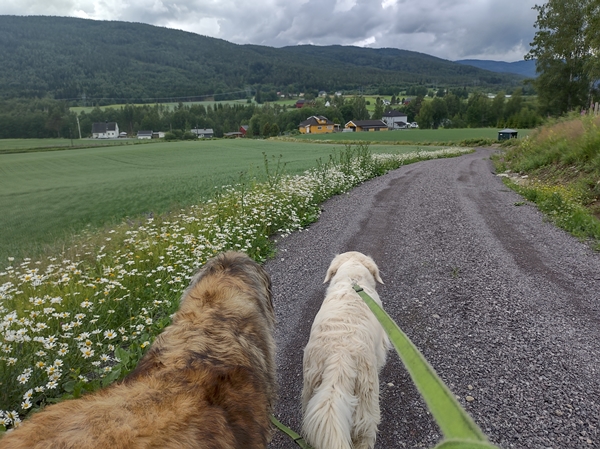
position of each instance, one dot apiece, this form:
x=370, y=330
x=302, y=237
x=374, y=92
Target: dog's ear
x=333, y=267
x=372, y=267
x=330, y=273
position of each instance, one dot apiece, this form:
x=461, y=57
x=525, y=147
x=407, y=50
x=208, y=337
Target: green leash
x=290, y=433
x=459, y=429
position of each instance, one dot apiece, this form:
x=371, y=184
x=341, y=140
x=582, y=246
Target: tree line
x=566, y=48
x=47, y=118
x=479, y=111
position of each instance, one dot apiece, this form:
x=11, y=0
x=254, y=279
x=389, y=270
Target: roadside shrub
x=169, y=136
x=477, y=142
x=562, y=160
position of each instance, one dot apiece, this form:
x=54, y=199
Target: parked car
x=414, y=125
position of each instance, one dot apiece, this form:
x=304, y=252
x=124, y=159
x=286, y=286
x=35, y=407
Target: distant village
x=316, y=124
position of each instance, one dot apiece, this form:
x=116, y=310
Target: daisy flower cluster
x=74, y=323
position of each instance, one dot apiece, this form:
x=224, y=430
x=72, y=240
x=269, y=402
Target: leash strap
x=290, y=433
x=459, y=429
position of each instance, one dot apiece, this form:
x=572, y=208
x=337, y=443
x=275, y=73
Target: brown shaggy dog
x=208, y=381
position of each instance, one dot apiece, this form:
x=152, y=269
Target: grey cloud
x=450, y=29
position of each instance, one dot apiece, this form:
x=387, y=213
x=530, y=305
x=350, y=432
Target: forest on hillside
x=104, y=62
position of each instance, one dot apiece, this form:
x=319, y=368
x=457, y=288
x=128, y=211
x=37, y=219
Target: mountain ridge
x=72, y=58
x=524, y=68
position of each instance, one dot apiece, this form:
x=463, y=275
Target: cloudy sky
x=451, y=29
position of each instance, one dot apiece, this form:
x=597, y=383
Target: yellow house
x=317, y=124
x=365, y=125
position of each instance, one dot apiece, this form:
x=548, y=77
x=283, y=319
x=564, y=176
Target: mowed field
x=415, y=136
x=26, y=145
x=47, y=197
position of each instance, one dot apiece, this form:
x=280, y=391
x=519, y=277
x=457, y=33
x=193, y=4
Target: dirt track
x=505, y=306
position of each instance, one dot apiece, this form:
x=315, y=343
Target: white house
x=105, y=130
x=201, y=132
x=144, y=134
x=395, y=119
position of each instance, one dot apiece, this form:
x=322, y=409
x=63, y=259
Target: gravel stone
x=494, y=295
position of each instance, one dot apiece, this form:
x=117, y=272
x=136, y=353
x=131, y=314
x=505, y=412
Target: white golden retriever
x=346, y=350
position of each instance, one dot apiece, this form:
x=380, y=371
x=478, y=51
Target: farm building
x=105, y=130
x=144, y=134
x=366, y=125
x=203, y=132
x=395, y=119
x=244, y=130
x=317, y=124
x=507, y=133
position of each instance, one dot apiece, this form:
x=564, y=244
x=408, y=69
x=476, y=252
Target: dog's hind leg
x=367, y=414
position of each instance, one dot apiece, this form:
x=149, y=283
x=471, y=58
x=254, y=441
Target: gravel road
x=505, y=306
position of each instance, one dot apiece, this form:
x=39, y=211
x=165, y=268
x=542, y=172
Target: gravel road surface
x=505, y=306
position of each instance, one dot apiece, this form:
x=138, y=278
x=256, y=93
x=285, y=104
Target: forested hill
x=67, y=58
x=525, y=68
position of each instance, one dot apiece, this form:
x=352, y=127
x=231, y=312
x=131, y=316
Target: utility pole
x=78, y=127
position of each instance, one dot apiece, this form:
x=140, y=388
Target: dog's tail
x=328, y=416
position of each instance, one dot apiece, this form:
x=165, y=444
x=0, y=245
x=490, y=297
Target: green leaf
x=452, y=419
x=122, y=355
x=111, y=377
x=69, y=386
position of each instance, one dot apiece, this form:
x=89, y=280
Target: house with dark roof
x=203, y=132
x=317, y=124
x=395, y=119
x=105, y=130
x=144, y=135
x=366, y=125
x=507, y=133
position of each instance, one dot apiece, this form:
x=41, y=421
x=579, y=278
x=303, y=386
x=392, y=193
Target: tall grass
x=562, y=160
x=81, y=319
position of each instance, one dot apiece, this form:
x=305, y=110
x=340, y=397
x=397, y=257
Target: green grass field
x=28, y=145
x=46, y=197
x=170, y=106
x=415, y=136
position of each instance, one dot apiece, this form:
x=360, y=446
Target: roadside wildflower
x=67, y=318
x=87, y=352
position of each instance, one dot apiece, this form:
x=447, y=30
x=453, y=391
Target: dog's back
x=346, y=350
x=208, y=381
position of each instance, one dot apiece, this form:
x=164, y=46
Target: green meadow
x=27, y=145
x=414, y=136
x=48, y=196
x=170, y=106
